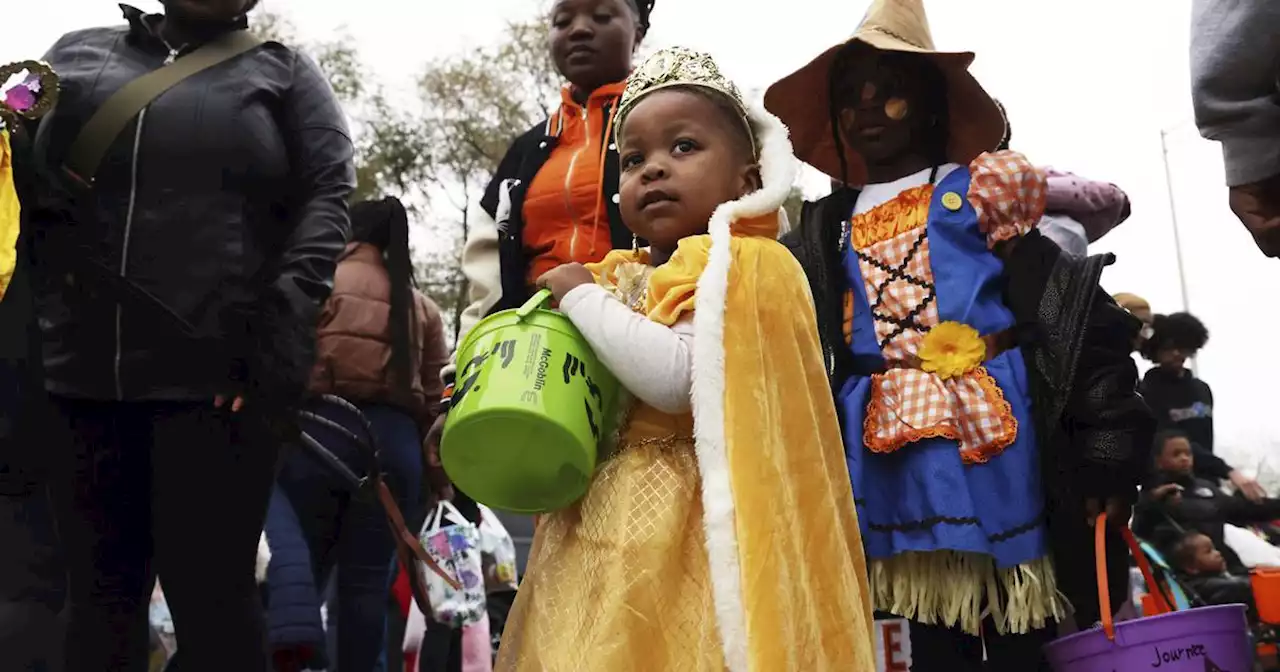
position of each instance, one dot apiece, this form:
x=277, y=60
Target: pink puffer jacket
x=1098, y=206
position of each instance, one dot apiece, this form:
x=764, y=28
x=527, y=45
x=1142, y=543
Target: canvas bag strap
x=96, y=136
x=408, y=545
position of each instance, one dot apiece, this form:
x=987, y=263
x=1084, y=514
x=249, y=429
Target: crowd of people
x=913, y=403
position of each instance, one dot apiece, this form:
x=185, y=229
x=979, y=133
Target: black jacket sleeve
x=1223, y=589
x=1109, y=421
x=1239, y=511
x=282, y=320
x=508, y=168
x=321, y=160
x=1208, y=464
x=1156, y=522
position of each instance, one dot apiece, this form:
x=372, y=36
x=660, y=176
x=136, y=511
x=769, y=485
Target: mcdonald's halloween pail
x=530, y=405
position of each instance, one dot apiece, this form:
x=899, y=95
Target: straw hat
x=802, y=99
x=1134, y=304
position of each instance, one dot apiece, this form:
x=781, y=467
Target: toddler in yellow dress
x=719, y=532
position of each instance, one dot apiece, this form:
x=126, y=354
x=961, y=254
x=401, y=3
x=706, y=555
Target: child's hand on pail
x=563, y=279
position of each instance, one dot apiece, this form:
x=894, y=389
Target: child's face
x=1173, y=358
x=1175, y=457
x=680, y=160
x=1205, y=557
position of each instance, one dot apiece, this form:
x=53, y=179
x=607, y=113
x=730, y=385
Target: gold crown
x=679, y=66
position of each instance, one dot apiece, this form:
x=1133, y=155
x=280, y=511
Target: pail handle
x=541, y=299
x=1104, y=592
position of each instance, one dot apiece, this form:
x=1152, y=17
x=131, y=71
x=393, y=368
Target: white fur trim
x=264, y=559
x=778, y=168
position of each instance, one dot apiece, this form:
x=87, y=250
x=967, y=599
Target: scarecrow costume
x=682, y=555
x=984, y=396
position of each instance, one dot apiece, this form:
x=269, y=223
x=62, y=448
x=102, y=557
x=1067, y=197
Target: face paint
x=897, y=108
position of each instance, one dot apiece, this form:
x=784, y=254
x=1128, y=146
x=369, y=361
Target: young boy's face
x=1174, y=359
x=1204, y=557
x=1175, y=457
x=681, y=158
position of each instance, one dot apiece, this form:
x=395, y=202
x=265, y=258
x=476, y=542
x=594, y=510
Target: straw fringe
x=953, y=588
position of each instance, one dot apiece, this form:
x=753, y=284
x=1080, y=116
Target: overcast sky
x=1089, y=85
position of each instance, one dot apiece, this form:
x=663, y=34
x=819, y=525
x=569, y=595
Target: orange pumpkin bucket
x=1266, y=593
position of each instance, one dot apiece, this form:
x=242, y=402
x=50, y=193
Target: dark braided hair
x=642, y=8
x=385, y=225
x=932, y=84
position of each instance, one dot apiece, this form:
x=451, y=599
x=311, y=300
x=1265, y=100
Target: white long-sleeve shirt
x=654, y=362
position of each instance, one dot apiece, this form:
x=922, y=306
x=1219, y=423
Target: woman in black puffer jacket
x=177, y=299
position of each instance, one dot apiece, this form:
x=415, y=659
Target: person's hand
x=563, y=279
x=236, y=403
x=437, y=481
x=1258, y=207
x=1170, y=493
x=1118, y=509
x=1251, y=489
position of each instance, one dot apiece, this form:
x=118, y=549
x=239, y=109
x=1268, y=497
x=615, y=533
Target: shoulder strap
x=97, y=135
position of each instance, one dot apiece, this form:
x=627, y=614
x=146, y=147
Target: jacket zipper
x=128, y=227
x=124, y=251
x=568, y=181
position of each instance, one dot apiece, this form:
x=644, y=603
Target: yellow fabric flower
x=952, y=349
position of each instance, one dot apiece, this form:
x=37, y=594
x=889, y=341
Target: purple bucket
x=1196, y=640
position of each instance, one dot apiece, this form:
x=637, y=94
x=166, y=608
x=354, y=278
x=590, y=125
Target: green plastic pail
x=530, y=405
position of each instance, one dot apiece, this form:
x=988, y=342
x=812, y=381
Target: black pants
x=177, y=490
x=32, y=584
x=939, y=649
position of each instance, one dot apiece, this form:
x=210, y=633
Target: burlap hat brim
x=802, y=101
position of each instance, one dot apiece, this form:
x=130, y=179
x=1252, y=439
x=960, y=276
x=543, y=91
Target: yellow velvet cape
x=9, y=215
x=788, y=575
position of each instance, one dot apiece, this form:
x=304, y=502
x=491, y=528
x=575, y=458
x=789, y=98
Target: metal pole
x=1177, y=238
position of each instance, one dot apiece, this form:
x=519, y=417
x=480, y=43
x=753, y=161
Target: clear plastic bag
x=454, y=543
x=497, y=553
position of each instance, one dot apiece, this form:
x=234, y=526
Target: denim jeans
x=348, y=535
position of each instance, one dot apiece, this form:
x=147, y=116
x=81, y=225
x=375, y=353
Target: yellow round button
x=951, y=201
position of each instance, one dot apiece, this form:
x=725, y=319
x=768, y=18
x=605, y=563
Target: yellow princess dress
x=723, y=539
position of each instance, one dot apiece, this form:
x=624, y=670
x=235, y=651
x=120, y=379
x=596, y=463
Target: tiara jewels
x=28, y=89
x=678, y=66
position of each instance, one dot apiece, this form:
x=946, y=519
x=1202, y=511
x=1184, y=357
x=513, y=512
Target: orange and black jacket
x=504, y=251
